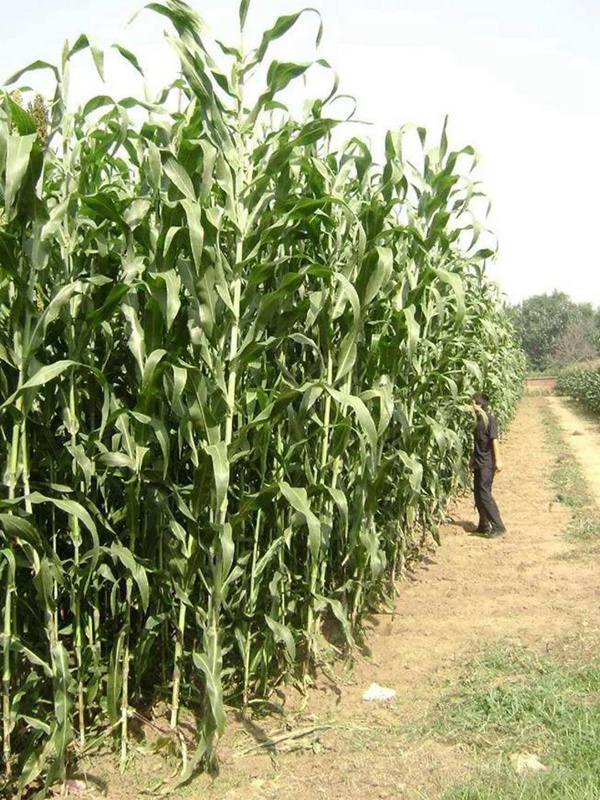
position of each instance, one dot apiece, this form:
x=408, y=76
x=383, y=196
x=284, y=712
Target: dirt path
x=530, y=586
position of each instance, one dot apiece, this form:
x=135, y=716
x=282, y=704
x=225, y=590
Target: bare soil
x=531, y=586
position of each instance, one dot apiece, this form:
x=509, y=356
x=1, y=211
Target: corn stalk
x=241, y=354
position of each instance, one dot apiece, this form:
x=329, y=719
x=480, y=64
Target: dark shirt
x=485, y=432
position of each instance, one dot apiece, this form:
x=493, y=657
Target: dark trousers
x=486, y=505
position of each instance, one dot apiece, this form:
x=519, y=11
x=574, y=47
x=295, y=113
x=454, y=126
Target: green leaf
x=136, y=570
x=41, y=377
x=361, y=411
x=193, y=215
x=36, y=762
x=23, y=121
x=32, y=67
x=243, y=13
x=129, y=56
x=50, y=313
x=281, y=27
x=73, y=508
x=413, y=330
x=170, y=308
x=381, y=274
x=281, y=73
x=347, y=356
x=48, y=373
x=212, y=676
x=18, y=647
x=104, y=207
x=19, y=528
x=284, y=635
x=184, y=19
x=136, y=342
x=415, y=469
x=179, y=177
x=227, y=549
x=152, y=362
x=341, y=502
x=82, y=43
x=220, y=462
x=348, y=292
x=115, y=678
x=339, y=614
x=298, y=499
x=37, y=724
x=458, y=289
x=118, y=460
x=18, y=154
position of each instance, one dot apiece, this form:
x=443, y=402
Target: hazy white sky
x=519, y=80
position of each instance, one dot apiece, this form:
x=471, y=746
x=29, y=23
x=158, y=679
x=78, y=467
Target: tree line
x=555, y=332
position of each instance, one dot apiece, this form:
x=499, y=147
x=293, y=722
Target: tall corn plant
x=239, y=355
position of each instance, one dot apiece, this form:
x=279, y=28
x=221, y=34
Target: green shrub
x=583, y=385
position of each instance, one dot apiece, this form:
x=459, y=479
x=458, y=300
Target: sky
x=518, y=79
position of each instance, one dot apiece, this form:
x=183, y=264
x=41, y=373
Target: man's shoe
x=493, y=532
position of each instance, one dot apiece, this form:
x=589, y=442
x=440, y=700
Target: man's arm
x=497, y=460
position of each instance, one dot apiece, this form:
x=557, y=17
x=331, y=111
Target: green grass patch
x=511, y=701
x=570, y=485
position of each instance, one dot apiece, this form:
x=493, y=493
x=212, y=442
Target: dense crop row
x=235, y=365
x=582, y=384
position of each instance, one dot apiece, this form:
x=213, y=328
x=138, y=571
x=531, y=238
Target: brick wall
x=542, y=382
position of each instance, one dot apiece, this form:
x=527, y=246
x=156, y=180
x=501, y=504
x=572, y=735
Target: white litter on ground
x=524, y=763
x=375, y=692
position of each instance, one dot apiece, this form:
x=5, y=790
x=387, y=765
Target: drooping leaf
x=298, y=499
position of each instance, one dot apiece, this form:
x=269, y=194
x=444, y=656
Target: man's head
x=481, y=400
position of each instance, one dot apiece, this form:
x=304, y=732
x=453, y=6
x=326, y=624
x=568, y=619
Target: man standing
x=485, y=462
